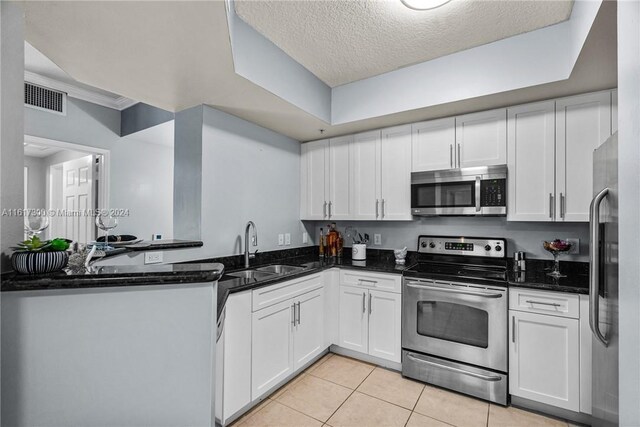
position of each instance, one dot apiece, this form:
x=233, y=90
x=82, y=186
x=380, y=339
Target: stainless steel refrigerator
x=603, y=289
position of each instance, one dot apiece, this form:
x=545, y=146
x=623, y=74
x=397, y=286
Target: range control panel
x=469, y=246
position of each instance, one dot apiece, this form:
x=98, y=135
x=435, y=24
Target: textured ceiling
x=344, y=41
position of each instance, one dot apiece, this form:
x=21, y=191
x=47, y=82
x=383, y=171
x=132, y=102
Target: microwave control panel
x=493, y=192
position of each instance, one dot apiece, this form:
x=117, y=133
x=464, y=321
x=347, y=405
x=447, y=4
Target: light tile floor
x=338, y=391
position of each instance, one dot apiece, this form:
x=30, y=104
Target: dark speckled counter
x=115, y=276
x=535, y=277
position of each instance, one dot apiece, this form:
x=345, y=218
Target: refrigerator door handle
x=594, y=266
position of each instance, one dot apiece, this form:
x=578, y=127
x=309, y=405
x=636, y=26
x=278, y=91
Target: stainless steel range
x=454, y=316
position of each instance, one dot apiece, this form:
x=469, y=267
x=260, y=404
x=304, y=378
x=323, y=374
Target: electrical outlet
x=154, y=257
x=287, y=239
x=575, y=246
x=280, y=239
x=377, y=239
x=305, y=237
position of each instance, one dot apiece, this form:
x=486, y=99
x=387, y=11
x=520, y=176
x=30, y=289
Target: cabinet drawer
x=380, y=281
x=545, y=302
x=269, y=295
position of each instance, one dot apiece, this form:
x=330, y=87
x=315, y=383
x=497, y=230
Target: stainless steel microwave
x=479, y=191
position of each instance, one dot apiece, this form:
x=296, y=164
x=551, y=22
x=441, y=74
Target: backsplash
x=520, y=236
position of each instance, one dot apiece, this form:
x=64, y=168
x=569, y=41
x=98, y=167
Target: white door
x=354, y=319
x=395, y=173
x=365, y=158
x=481, y=138
x=432, y=144
x=544, y=359
x=314, y=169
x=78, y=196
x=272, y=347
x=308, y=335
x=583, y=123
x=531, y=162
x=384, y=325
x=339, y=178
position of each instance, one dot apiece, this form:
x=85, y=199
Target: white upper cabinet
x=583, y=123
x=395, y=171
x=481, y=139
x=339, y=207
x=614, y=111
x=314, y=170
x=366, y=175
x=433, y=145
x=531, y=161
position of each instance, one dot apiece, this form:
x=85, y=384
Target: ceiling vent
x=42, y=98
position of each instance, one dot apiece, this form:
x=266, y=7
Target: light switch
x=280, y=239
x=287, y=239
x=377, y=239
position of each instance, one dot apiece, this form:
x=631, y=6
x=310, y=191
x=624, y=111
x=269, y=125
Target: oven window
x=444, y=195
x=453, y=322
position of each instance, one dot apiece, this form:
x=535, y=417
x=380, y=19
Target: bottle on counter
x=321, y=244
x=332, y=240
x=339, y=245
x=519, y=262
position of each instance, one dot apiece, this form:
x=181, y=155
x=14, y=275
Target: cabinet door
x=531, y=161
x=353, y=319
x=583, y=123
x=384, y=325
x=366, y=175
x=308, y=335
x=340, y=184
x=314, y=170
x=481, y=138
x=544, y=359
x=614, y=111
x=236, y=347
x=272, y=347
x=432, y=144
x=395, y=173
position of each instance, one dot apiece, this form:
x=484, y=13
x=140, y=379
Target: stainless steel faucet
x=254, y=242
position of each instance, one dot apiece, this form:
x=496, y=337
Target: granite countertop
x=153, y=245
x=378, y=261
x=535, y=277
x=115, y=276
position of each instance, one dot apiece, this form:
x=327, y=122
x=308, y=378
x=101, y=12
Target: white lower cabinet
x=285, y=336
x=370, y=321
x=546, y=355
x=233, y=357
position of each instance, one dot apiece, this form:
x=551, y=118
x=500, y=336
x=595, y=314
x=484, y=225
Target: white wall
x=629, y=208
x=521, y=236
x=142, y=181
x=36, y=182
x=248, y=173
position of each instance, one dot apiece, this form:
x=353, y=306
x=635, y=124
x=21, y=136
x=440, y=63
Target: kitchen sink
x=252, y=275
x=280, y=269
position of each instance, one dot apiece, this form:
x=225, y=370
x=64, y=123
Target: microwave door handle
x=478, y=207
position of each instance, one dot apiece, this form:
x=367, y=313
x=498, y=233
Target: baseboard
x=544, y=409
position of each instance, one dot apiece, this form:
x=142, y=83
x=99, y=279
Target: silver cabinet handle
x=373, y=282
x=459, y=157
x=364, y=302
x=491, y=378
x=382, y=210
x=329, y=209
x=552, y=304
x=561, y=205
x=551, y=205
x=451, y=155
x=377, y=202
x=370, y=309
x=324, y=209
x=298, y=317
x=513, y=329
x=293, y=314
x=594, y=266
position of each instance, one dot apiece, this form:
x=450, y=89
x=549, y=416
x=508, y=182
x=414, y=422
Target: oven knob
x=487, y=247
x=498, y=248
x=423, y=244
x=432, y=245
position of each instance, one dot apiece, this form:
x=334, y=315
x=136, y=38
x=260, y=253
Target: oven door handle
x=491, y=378
x=455, y=291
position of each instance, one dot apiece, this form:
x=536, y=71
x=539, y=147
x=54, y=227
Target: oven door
x=456, y=321
x=451, y=197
